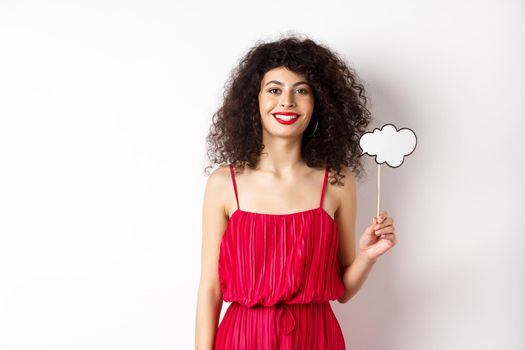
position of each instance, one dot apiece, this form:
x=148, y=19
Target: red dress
x=279, y=272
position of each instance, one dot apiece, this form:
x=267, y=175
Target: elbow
x=212, y=292
x=343, y=299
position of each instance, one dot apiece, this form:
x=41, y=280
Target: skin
x=281, y=184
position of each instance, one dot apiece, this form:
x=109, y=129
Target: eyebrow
x=279, y=83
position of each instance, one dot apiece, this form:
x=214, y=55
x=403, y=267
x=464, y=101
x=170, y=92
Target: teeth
x=285, y=117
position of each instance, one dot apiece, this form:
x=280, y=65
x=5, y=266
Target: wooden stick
x=378, y=187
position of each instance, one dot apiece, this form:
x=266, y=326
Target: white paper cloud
x=388, y=144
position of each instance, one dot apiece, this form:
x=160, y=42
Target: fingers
x=390, y=236
x=384, y=228
x=369, y=230
x=383, y=225
x=382, y=216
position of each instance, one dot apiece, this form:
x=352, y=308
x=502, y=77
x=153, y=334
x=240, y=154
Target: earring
x=316, y=124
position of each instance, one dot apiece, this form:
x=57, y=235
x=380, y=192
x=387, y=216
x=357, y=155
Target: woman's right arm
x=209, y=298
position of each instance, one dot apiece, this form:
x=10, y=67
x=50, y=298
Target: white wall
x=104, y=107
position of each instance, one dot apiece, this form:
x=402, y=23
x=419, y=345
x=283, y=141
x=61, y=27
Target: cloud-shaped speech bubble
x=388, y=144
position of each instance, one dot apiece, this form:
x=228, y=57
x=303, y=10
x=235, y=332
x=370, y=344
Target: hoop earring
x=316, y=124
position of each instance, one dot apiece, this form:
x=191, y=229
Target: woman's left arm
x=376, y=239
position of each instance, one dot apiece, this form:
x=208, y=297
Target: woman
x=279, y=212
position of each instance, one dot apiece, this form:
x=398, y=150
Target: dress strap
x=234, y=185
x=324, y=186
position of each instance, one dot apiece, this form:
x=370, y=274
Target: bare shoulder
x=345, y=189
x=219, y=176
x=216, y=187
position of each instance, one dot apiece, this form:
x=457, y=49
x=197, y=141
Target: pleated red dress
x=279, y=271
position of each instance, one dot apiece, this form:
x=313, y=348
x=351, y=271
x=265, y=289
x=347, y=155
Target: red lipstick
x=286, y=122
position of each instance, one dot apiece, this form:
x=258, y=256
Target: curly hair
x=235, y=136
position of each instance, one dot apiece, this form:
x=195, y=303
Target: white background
x=104, y=108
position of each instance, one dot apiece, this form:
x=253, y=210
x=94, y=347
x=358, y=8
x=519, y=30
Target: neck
x=281, y=155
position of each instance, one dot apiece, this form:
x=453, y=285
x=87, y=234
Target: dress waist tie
x=282, y=323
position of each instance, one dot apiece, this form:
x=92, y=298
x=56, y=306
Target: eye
x=304, y=91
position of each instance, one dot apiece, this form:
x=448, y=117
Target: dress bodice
x=280, y=258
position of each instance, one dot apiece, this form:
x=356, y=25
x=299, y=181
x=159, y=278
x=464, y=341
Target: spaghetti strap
x=234, y=186
x=324, y=186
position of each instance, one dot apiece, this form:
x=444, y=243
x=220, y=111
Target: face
x=285, y=92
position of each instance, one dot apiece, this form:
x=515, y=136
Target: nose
x=287, y=100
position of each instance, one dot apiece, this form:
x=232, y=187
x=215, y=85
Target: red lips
x=286, y=113
x=286, y=122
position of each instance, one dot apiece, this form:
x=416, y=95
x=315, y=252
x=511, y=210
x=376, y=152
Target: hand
x=378, y=238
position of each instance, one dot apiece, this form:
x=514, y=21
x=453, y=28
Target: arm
x=354, y=269
x=209, y=298
x=354, y=276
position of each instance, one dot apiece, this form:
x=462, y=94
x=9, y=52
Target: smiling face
x=282, y=92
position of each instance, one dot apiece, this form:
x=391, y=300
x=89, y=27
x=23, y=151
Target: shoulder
x=346, y=182
x=217, y=185
x=219, y=176
x=345, y=189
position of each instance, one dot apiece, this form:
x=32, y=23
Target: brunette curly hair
x=235, y=136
